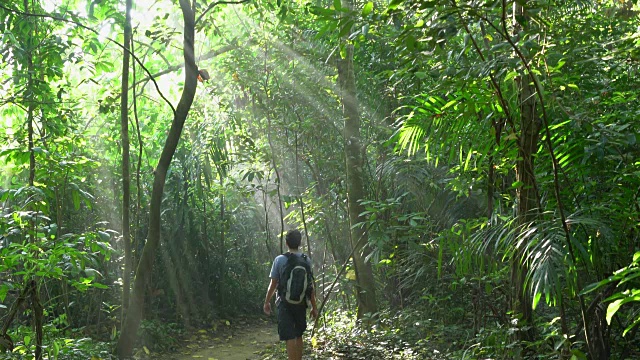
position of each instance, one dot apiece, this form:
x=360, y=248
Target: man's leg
x=294, y=349
x=292, y=323
x=299, y=348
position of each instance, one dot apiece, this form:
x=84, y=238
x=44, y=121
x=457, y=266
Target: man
x=292, y=318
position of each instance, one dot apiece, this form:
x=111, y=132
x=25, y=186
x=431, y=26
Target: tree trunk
x=304, y=225
x=527, y=203
x=30, y=97
x=222, y=249
x=204, y=238
x=126, y=178
x=527, y=195
x=366, y=291
x=145, y=266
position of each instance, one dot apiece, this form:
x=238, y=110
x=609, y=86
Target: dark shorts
x=292, y=321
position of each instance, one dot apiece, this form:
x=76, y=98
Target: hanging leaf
x=367, y=9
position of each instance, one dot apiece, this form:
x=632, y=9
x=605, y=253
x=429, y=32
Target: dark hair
x=293, y=239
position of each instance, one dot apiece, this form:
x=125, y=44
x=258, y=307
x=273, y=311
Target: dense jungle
x=465, y=175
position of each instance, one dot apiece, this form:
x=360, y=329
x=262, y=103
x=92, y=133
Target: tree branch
x=210, y=7
x=207, y=56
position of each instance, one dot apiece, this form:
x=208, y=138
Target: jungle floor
x=240, y=340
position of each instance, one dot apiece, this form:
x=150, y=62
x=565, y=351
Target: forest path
x=241, y=341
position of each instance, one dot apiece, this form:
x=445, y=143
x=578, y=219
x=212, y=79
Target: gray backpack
x=296, y=280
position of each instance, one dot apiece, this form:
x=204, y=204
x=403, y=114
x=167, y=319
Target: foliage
x=60, y=345
x=158, y=336
x=440, y=86
x=402, y=335
x=625, y=281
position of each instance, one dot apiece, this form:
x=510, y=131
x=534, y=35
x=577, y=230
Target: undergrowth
x=57, y=344
x=400, y=335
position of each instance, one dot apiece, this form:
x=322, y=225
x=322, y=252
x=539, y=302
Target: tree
x=354, y=152
x=145, y=266
x=126, y=178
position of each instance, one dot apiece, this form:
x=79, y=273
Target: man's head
x=293, y=239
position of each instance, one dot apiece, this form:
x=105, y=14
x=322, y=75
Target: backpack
x=296, y=280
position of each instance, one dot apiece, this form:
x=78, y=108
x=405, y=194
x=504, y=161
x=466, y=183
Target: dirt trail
x=242, y=342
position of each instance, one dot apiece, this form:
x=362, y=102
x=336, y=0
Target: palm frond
x=540, y=246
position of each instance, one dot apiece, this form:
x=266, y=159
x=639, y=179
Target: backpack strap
x=281, y=284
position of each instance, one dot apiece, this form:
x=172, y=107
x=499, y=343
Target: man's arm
x=273, y=285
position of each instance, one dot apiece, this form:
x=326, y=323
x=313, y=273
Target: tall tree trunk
x=278, y=183
x=304, y=226
x=29, y=96
x=267, y=230
x=204, y=238
x=366, y=291
x=136, y=306
x=222, y=248
x=299, y=187
x=126, y=178
x=527, y=192
x=136, y=237
x=272, y=148
x=527, y=201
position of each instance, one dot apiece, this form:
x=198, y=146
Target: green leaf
x=346, y=28
x=612, y=309
x=517, y=184
x=367, y=9
x=104, y=236
x=4, y=290
x=421, y=75
x=536, y=299
x=410, y=42
x=322, y=12
x=634, y=324
x=578, y=355
x=76, y=200
x=394, y=4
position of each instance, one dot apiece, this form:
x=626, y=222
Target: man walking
x=292, y=278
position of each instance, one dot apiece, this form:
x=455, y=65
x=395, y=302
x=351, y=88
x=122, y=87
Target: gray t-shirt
x=280, y=262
